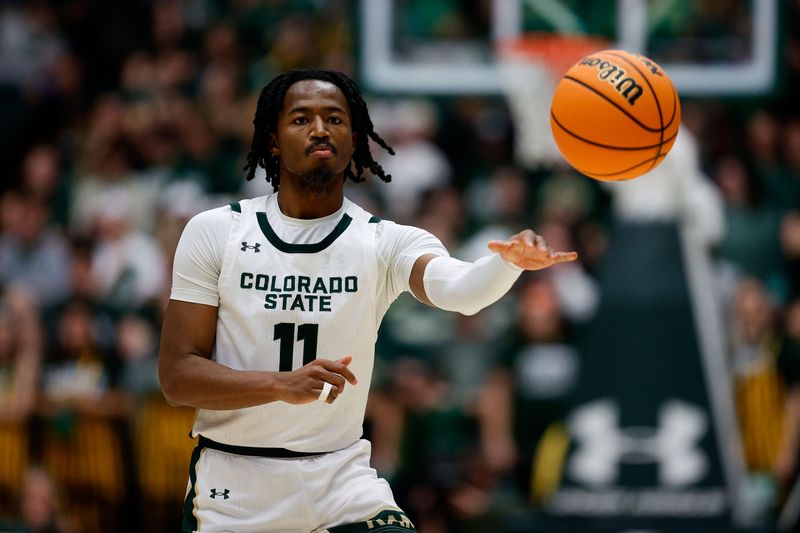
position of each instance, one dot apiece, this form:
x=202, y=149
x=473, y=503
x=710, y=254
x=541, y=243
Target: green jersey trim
x=291, y=248
x=189, y=524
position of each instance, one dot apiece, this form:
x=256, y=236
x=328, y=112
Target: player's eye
x=300, y=120
x=333, y=119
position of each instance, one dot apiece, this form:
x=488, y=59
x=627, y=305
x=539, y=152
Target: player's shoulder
x=360, y=215
x=216, y=221
x=224, y=214
x=211, y=217
x=248, y=205
x=384, y=229
x=389, y=231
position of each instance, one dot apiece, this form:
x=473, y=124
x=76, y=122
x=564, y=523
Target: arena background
x=652, y=386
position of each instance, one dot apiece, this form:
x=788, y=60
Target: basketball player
x=274, y=313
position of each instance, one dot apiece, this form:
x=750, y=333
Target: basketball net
x=531, y=66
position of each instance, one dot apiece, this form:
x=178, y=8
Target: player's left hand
x=528, y=250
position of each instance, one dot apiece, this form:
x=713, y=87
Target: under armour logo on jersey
x=256, y=247
x=602, y=445
x=224, y=493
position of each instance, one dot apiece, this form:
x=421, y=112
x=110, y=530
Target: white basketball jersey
x=283, y=305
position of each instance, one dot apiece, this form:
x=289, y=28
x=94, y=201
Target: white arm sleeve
x=467, y=288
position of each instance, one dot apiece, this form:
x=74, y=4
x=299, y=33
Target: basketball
x=615, y=115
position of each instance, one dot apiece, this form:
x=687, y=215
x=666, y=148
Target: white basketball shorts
x=336, y=492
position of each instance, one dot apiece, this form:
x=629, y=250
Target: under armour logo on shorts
x=224, y=493
x=256, y=247
x=674, y=445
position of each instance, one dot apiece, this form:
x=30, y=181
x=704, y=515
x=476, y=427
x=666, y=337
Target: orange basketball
x=615, y=115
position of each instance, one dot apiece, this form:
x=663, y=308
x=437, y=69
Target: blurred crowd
x=123, y=119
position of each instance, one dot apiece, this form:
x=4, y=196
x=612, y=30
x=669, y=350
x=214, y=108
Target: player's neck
x=296, y=202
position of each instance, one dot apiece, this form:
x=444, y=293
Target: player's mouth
x=322, y=150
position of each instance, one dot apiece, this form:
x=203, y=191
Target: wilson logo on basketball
x=616, y=76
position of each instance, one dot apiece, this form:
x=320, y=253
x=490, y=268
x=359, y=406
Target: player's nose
x=318, y=128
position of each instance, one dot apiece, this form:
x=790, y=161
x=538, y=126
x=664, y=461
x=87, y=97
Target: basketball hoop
x=531, y=67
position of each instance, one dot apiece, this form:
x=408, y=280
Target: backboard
x=708, y=47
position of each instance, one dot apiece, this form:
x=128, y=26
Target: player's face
x=314, y=139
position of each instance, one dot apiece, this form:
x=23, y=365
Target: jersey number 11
x=284, y=332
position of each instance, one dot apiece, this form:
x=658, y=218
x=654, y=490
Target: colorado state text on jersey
x=298, y=293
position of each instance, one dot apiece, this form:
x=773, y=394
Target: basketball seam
x=675, y=105
x=610, y=101
x=609, y=174
x=658, y=105
x=600, y=145
x=674, y=108
x=658, y=102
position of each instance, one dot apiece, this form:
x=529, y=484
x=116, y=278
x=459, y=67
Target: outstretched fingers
x=529, y=251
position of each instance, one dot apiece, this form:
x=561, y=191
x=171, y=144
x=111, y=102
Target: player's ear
x=355, y=140
x=273, y=145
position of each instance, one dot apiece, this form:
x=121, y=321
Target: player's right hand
x=305, y=384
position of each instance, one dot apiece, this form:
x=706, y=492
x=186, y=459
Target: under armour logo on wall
x=602, y=445
x=224, y=493
x=256, y=247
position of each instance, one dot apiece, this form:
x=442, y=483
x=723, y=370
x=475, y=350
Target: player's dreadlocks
x=270, y=103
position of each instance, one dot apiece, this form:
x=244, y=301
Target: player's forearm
x=467, y=288
x=198, y=382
